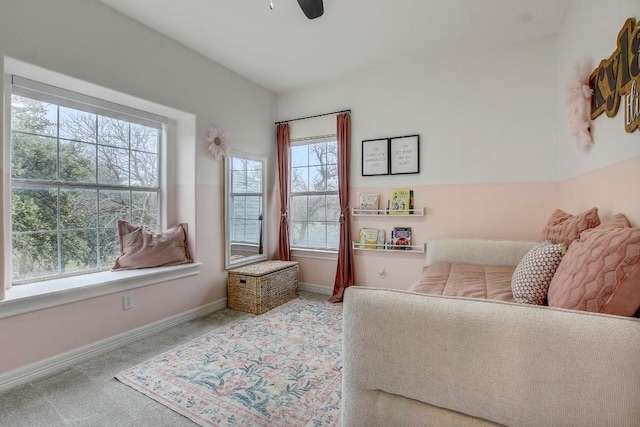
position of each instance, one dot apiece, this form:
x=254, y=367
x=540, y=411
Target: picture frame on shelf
x=404, y=154
x=375, y=157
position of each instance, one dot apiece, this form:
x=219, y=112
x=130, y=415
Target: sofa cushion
x=531, y=279
x=600, y=272
x=141, y=247
x=564, y=228
x=466, y=280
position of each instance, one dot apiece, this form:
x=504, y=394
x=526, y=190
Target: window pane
x=238, y=230
x=332, y=153
x=29, y=115
x=298, y=232
x=252, y=233
x=77, y=125
x=318, y=154
x=144, y=208
x=299, y=180
x=109, y=246
x=144, y=138
x=317, y=208
x=254, y=181
x=298, y=208
x=317, y=234
x=78, y=208
x=238, y=207
x=317, y=180
x=254, y=165
x=114, y=205
x=333, y=236
x=113, y=132
x=78, y=252
x=33, y=157
x=77, y=161
x=299, y=155
x=113, y=166
x=332, y=178
x=34, y=255
x=253, y=207
x=144, y=169
x=333, y=208
x=239, y=181
x=34, y=209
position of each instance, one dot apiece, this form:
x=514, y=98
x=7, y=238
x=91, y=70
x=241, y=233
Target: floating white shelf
x=384, y=212
x=389, y=247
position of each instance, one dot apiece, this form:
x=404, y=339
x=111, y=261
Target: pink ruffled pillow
x=141, y=247
x=601, y=271
x=566, y=228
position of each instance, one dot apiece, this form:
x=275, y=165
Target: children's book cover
x=369, y=203
x=400, y=202
x=401, y=236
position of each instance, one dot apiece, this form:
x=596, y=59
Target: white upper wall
x=90, y=41
x=488, y=116
x=589, y=34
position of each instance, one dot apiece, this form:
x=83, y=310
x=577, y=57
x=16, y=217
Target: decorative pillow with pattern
x=601, y=271
x=565, y=228
x=531, y=279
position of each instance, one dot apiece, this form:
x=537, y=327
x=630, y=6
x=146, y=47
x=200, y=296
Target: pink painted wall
x=494, y=211
x=613, y=189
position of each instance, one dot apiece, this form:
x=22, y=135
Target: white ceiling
x=282, y=50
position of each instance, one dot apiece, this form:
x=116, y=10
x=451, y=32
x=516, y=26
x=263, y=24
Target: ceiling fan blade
x=312, y=8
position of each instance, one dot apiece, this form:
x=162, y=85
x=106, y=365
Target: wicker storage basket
x=259, y=287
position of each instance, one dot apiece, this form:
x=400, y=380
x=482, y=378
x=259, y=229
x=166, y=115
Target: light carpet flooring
x=87, y=394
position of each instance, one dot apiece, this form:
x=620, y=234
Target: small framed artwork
x=375, y=157
x=404, y=154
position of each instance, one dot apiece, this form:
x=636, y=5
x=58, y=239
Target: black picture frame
x=375, y=157
x=404, y=154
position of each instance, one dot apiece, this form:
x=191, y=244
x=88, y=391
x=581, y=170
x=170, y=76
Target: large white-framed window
x=314, y=204
x=77, y=164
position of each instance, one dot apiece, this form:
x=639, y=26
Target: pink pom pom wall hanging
x=579, y=95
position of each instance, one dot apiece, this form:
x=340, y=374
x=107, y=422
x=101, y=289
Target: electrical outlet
x=127, y=301
x=381, y=273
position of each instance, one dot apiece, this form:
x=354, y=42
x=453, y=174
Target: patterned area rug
x=282, y=368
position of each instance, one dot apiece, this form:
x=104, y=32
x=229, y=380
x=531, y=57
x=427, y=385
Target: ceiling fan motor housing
x=312, y=8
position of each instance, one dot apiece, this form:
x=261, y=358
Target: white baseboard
x=316, y=289
x=62, y=361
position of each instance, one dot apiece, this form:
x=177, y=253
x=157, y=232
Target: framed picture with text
x=404, y=154
x=375, y=157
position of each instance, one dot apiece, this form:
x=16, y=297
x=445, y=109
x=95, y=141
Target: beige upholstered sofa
x=423, y=360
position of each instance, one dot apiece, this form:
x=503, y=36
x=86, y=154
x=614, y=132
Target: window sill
x=314, y=254
x=37, y=296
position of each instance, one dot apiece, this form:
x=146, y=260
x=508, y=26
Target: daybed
x=413, y=359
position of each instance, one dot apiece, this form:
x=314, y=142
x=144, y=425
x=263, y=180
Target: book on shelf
x=401, y=236
x=369, y=203
x=368, y=238
x=401, y=202
x=382, y=239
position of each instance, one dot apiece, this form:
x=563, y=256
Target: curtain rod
x=311, y=117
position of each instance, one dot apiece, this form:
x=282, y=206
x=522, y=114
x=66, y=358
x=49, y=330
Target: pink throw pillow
x=600, y=272
x=616, y=221
x=141, y=247
x=565, y=228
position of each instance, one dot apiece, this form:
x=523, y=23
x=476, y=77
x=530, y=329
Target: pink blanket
x=466, y=280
